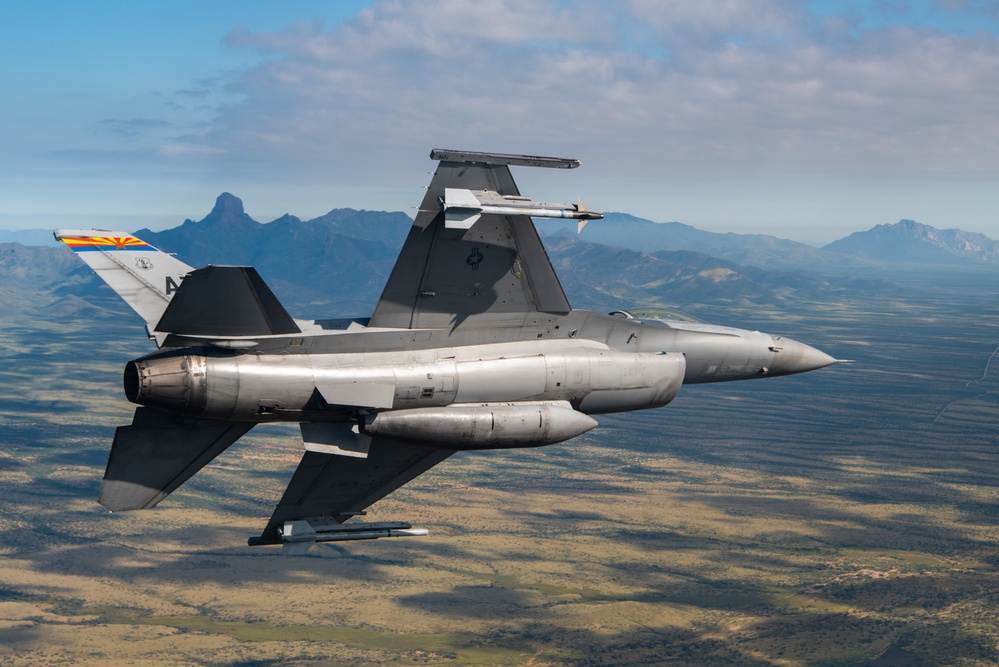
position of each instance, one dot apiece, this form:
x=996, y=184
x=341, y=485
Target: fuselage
x=338, y=370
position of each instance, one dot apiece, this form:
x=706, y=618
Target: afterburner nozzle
x=173, y=383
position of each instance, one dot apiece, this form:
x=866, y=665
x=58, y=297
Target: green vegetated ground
x=842, y=517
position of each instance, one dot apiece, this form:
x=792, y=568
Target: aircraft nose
x=794, y=357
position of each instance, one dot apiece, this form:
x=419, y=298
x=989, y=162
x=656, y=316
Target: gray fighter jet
x=472, y=345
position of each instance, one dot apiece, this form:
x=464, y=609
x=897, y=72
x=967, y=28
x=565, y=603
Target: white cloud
x=753, y=85
x=745, y=108
x=720, y=97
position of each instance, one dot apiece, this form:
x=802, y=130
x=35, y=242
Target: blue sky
x=805, y=119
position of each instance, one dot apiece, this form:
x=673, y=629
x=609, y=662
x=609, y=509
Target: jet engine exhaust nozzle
x=174, y=383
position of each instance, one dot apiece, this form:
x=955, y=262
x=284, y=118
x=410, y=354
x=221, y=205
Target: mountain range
x=627, y=231
x=337, y=264
x=906, y=241
x=339, y=259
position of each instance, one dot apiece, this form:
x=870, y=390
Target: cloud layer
x=729, y=110
x=688, y=86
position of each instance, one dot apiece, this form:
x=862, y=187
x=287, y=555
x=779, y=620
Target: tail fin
x=146, y=278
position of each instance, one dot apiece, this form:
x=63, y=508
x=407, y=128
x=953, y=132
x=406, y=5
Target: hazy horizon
x=131, y=224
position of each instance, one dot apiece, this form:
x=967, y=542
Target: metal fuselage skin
x=338, y=370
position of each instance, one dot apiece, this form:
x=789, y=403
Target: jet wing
x=327, y=489
x=491, y=266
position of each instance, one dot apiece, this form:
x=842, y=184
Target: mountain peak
x=228, y=205
x=910, y=241
x=914, y=228
x=228, y=213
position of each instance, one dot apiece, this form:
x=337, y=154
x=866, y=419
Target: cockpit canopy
x=655, y=316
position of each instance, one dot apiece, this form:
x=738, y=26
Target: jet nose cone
x=794, y=357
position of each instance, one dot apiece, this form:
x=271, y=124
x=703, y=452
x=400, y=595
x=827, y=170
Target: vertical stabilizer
x=146, y=278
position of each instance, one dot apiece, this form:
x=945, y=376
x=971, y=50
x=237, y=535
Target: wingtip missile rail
x=446, y=155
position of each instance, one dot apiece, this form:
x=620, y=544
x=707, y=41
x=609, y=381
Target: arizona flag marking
x=81, y=244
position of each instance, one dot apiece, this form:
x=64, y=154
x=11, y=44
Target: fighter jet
x=473, y=345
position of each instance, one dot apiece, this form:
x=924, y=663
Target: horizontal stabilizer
x=225, y=301
x=158, y=453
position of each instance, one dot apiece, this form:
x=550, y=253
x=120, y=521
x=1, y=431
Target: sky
x=805, y=119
